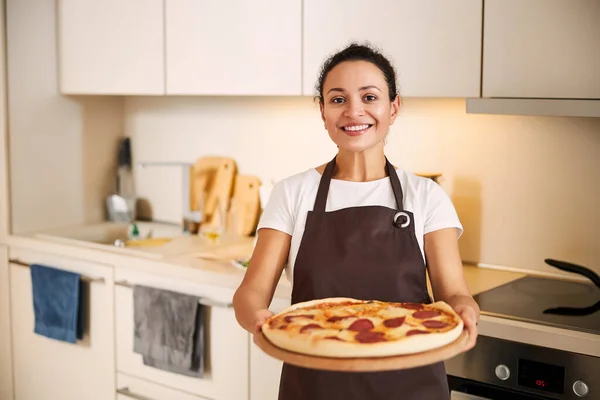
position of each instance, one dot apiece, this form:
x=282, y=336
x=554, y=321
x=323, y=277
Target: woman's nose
x=354, y=109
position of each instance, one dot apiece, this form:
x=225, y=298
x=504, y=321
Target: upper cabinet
x=111, y=47
x=237, y=47
x=542, y=49
x=435, y=45
x=530, y=49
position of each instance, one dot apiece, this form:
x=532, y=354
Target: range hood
x=527, y=106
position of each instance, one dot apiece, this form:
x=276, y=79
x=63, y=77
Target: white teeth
x=356, y=127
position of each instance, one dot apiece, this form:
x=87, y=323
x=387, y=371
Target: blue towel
x=57, y=303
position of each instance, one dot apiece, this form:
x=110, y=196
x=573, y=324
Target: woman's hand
x=469, y=317
x=259, y=319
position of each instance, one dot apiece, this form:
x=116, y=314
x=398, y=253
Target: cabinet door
x=111, y=46
x=542, y=49
x=226, y=343
x=130, y=388
x=237, y=47
x=50, y=369
x=435, y=45
x=265, y=371
x=6, y=384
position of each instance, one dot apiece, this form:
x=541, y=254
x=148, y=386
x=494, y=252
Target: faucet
x=190, y=218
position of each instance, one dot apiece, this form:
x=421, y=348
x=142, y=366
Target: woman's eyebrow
x=360, y=88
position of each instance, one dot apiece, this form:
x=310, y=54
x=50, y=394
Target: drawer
x=227, y=344
x=130, y=388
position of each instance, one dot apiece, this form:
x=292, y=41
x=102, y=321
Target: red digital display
x=545, y=377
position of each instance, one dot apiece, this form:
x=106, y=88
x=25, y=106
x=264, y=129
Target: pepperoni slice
x=433, y=324
x=369, y=337
x=424, y=314
x=310, y=327
x=337, y=318
x=289, y=318
x=361, y=325
x=415, y=332
x=394, y=322
x=412, y=306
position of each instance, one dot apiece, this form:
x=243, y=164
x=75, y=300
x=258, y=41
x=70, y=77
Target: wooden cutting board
x=368, y=364
x=244, y=210
x=212, y=186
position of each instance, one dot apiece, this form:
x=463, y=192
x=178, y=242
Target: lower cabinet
x=138, y=389
x=225, y=343
x=49, y=369
x=265, y=371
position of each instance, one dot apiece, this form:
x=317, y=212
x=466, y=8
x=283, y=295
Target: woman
x=334, y=226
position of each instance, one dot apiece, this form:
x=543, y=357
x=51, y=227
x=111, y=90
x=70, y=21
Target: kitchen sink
x=113, y=235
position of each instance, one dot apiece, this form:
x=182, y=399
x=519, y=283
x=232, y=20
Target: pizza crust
x=315, y=344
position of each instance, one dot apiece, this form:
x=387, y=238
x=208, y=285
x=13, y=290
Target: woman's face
x=356, y=108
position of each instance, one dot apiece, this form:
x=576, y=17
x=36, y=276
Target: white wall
x=62, y=149
x=526, y=188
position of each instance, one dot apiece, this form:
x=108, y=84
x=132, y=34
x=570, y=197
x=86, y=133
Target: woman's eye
x=337, y=100
x=370, y=97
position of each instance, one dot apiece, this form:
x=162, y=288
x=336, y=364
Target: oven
x=539, y=339
x=499, y=369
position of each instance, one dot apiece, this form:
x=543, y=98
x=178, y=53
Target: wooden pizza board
x=367, y=364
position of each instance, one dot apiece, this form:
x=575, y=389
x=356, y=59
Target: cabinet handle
x=203, y=301
x=126, y=392
x=82, y=277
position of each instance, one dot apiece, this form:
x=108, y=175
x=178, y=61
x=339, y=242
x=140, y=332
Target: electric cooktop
x=547, y=301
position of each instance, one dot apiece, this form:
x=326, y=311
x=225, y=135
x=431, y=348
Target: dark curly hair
x=359, y=52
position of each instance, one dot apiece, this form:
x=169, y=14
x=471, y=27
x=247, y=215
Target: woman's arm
x=448, y=280
x=252, y=298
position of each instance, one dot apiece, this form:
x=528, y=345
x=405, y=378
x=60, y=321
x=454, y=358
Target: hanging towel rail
x=203, y=301
x=83, y=277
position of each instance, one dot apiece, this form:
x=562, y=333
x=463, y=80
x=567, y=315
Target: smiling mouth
x=356, y=129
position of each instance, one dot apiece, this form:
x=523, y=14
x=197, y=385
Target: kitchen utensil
x=577, y=269
x=245, y=206
x=211, y=187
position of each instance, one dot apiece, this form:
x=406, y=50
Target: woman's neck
x=367, y=165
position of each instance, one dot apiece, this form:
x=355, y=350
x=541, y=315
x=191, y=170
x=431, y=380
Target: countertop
x=196, y=259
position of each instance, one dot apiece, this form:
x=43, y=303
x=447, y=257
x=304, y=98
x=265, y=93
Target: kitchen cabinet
x=111, y=47
x=45, y=368
x=226, y=343
x=138, y=389
x=435, y=45
x=6, y=386
x=541, y=49
x=265, y=371
x=233, y=48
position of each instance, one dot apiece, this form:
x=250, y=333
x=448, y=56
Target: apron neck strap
x=321, y=201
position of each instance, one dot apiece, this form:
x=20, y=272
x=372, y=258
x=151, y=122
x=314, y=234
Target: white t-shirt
x=292, y=198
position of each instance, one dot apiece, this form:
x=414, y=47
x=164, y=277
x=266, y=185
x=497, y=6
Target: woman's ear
x=322, y=109
x=394, y=109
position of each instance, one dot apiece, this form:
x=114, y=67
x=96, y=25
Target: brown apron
x=364, y=252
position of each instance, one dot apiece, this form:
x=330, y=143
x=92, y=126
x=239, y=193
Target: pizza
x=343, y=327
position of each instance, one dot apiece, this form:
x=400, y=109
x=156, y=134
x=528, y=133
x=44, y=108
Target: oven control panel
x=531, y=370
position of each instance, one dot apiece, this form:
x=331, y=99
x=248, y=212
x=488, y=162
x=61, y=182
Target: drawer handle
x=203, y=301
x=126, y=392
x=83, y=277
